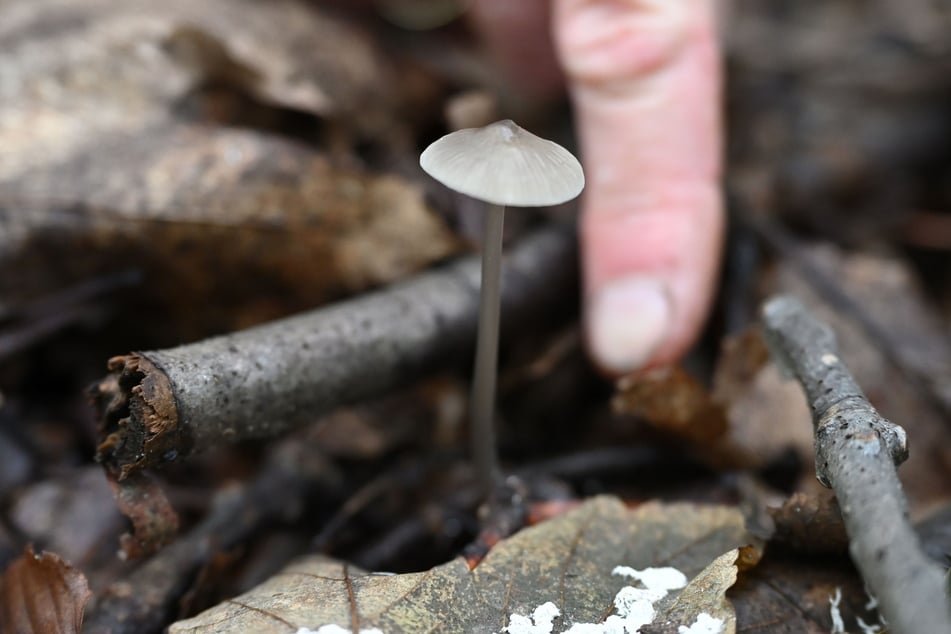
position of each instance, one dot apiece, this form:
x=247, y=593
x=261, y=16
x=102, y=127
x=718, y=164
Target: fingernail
x=628, y=322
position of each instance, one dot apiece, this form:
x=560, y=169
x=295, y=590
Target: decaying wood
x=162, y=405
x=154, y=520
x=856, y=454
x=146, y=599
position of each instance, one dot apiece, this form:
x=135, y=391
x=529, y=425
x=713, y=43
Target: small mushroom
x=503, y=165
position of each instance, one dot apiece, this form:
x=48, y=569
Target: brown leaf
x=750, y=418
x=42, y=594
x=704, y=598
x=247, y=241
x=102, y=167
x=742, y=357
x=567, y=561
x=767, y=414
x=670, y=399
x=811, y=523
x=791, y=595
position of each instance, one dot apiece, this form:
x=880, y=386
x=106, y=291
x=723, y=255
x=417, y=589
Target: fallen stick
x=159, y=406
x=856, y=454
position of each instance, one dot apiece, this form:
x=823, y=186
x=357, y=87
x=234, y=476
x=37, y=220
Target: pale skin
x=644, y=78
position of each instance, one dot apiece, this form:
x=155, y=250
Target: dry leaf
x=750, y=418
x=247, y=226
x=793, y=595
x=567, y=561
x=278, y=230
x=767, y=414
x=101, y=169
x=811, y=524
x=42, y=594
x=84, y=70
x=670, y=399
x=704, y=598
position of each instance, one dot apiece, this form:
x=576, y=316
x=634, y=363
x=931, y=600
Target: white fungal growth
x=633, y=607
x=654, y=578
x=630, y=594
x=838, y=627
x=705, y=624
x=540, y=622
x=866, y=628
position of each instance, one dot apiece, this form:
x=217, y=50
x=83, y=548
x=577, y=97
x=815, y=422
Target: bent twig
x=856, y=454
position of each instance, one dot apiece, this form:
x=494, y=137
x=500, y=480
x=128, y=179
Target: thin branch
x=856, y=454
x=159, y=406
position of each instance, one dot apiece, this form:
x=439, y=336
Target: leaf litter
x=151, y=136
x=42, y=593
x=106, y=166
x=571, y=564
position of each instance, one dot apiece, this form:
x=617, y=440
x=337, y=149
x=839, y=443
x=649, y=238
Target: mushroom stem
x=482, y=403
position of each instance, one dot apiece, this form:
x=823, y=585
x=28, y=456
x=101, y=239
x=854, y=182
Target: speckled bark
x=856, y=454
x=158, y=406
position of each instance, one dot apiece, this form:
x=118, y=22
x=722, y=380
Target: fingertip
x=645, y=81
x=649, y=281
x=628, y=321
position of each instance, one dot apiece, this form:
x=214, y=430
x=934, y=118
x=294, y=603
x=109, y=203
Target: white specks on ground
x=838, y=626
x=866, y=628
x=654, y=578
x=705, y=624
x=633, y=607
x=540, y=622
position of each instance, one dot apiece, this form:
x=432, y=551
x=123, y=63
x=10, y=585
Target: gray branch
x=856, y=454
x=159, y=406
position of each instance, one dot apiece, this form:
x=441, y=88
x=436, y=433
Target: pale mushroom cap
x=504, y=165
